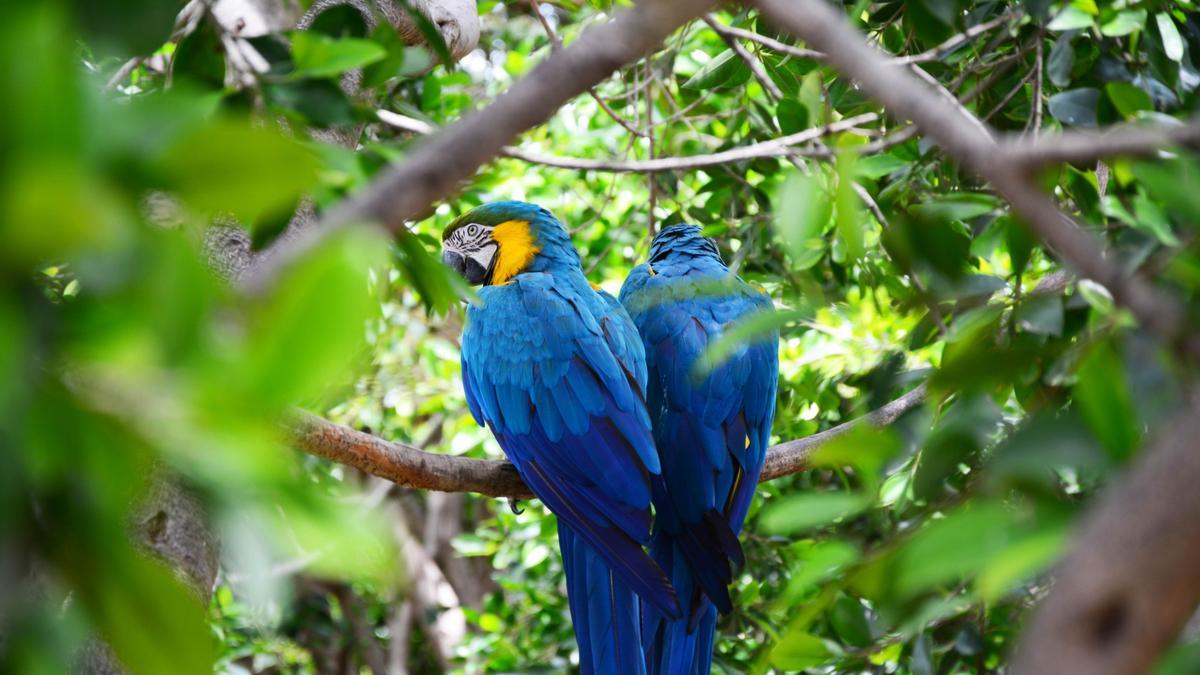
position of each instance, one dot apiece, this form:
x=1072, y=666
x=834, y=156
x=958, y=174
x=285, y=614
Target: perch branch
x=414, y=468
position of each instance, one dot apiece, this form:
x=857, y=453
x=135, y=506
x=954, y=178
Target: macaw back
x=712, y=425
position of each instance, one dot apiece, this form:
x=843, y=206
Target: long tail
x=679, y=646
x=604, y=610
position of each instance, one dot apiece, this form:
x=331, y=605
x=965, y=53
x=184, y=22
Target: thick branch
x=413, y=468
x=906, y=97
x=1088, y=147
x=1129, y=582
x=433, y=170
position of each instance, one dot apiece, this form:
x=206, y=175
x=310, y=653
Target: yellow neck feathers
x=517, y=248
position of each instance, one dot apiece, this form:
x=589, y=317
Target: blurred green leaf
x=1062, y=59
x=232, y=167
x=804, y=512
x=1070, y=18
x=1124, y=22
x=798, y=650
x=1127, y=98
x=1102, y=393
x=1075, y=107
x=802, y=214
x=1041, y=315
x=1172, y=43
x=318, y=55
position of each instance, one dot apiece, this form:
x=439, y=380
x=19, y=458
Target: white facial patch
x=473, y=241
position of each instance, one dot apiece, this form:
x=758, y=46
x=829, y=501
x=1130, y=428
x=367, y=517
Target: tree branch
x=1088, y=147
x=1129, y=582
x=434, y=169
x=933, y=54
x=906, y=97
x=772, y=148
x=414, y=468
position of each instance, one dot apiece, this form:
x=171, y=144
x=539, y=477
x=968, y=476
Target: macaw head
x=682, y=242
x=492, y=243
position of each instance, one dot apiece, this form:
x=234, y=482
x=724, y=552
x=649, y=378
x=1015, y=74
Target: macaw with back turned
x=712, y=425
x=556, y=370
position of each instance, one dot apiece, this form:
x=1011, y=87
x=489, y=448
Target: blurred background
x=155, y=156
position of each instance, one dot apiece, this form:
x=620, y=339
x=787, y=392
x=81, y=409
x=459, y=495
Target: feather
x=711, y=434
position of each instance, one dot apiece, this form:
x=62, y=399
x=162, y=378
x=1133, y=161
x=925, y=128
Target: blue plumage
x=557, y=371
x=711, y=427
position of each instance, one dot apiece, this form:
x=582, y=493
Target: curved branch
x=414, y=468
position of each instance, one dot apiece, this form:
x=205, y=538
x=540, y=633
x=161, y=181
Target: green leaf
x=958, y=206
x=877, y=166
x=953, y=547
x=233, y=167
x=1125, y=22
x=743, y=331
x=320, y=101
x=798, y=650
x=792, y=116
x=1061, y=60
x=315, y=317
x=848, y=618
x=1172, y=43
x=807, y=511
x=1173, y=184
x=1024, y=559
x=1102, y=394
x=438, y=286
x=1127, y=98
x=1151, y=218
x=128, y=28
x=1096, y=296
x=850, y=218
x=1041, y=315
x=318, y=55
x=1071, y=18
x=864, y=447
x=816, y=561
x=802, y=214
x=1020, y=245
x=1075, y=107
x=716, y=72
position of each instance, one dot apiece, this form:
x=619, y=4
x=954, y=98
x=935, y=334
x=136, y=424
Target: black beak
x=470, y=270
x=455, y=261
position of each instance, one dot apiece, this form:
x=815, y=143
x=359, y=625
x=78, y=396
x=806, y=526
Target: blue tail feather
x=684, y=646
x=604, y=611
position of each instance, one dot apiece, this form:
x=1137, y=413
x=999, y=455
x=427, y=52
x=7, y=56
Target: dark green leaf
x=1127, y=98
x=1076, y=107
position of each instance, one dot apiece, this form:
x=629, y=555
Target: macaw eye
x=471, y=229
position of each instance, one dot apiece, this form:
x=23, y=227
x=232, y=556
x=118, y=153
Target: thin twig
x=756, y=68
x=556, y=43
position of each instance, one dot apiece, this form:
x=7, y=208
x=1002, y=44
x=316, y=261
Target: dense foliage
x=915, y=549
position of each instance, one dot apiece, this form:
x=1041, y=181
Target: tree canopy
x=978, y=218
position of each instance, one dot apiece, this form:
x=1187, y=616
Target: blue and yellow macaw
x=557, y=371
x=712, y=426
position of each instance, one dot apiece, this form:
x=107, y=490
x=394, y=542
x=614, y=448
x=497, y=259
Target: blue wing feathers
x=558, y=374
x=711, y=431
